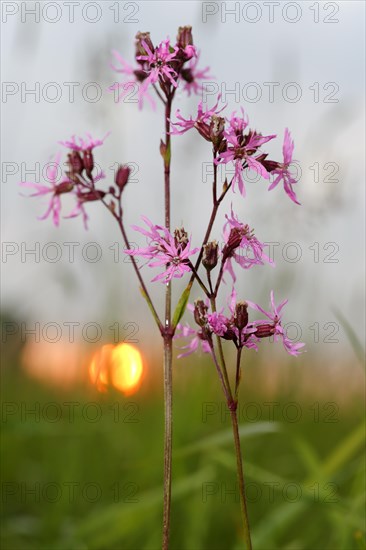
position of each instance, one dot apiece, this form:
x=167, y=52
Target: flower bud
x=140, y=49
x=264, y=331
x=184, y=37
x=64, y=187
x=122, y=176
x=91, y=196
x=181, y=238
x=269, y=165
x=234, y=240
x=217, y=127
x=235, y=237
x=210, y=255
x=88, y=161
x=200, y=313
x=241, y=315
x=75, y=162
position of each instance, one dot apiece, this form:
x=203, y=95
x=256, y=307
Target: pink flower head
x=192, y=76
x=242, y=246
x=241, y=148
x=166, y=250
x=235, y=327
x=282, y=172
x=159, y=64
x=135, y=77
x=264, y=329
x=81, y=145
x=202, y=122
x=56, y=189
x=196, y=340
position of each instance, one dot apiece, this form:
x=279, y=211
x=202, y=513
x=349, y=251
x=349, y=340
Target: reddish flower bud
x=200, y=313
x=64, y=187
x=181, y=238
x=75, y=162
x=122, y=176
x=241, y=315
x=235, y=237
x=140, y=50
x=90, y=196
x=217, y=127
x=264, y=331
x=88, y=161
x=187, y=75
x=140, y=75
x=269, y=165
x=210, y=255
x=184, y=37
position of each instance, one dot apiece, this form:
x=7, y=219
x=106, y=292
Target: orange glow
x=58, y=363
x=118, y=366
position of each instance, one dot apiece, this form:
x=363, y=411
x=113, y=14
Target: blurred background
x=82, y=411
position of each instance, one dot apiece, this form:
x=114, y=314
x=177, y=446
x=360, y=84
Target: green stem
x=168, y=336
x=239, y=466
x=168, y=439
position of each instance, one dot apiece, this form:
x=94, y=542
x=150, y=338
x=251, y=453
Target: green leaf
x=181, y=306
x=225, y=437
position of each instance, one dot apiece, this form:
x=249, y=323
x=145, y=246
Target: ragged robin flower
x=164, y=249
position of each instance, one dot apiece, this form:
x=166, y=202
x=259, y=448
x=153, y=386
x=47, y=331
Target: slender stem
x=221, y=354
x=239, y=466
x=219, y=372
x=168, y=441
x=135, y=266
x=168, y=377
x=199, y=280
x=238, y=371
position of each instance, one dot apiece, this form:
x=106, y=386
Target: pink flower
x=282, y=172
x=56, y=189
x=264, y=329
x=242, y=246
x=166, y=250
x=135, y=78
x=202, y=122
x=159, y=64
x=81, y=145
x=196, y=340
x=218, y=323
x=241, y=148
x=235, y=327
x=192, y=76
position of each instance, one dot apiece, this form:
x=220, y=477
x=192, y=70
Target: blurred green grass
x=94, y=480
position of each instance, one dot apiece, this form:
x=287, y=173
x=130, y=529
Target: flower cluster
x=236, y=326
x=233, y=142
x=79, y=179
x=164, y=65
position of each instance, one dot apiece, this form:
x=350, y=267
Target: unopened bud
x=88, y=161
x=181, y=238
x=75, y=162
x=200, y=313
x=234, y=240
x=122, y=176
x=264, y=331
x=184, y=37
x=210, y=255
x=140, y=49
x=217, y=127
x=64, y=187
x=241, y=315
x=269, y=165
x=91, y=196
